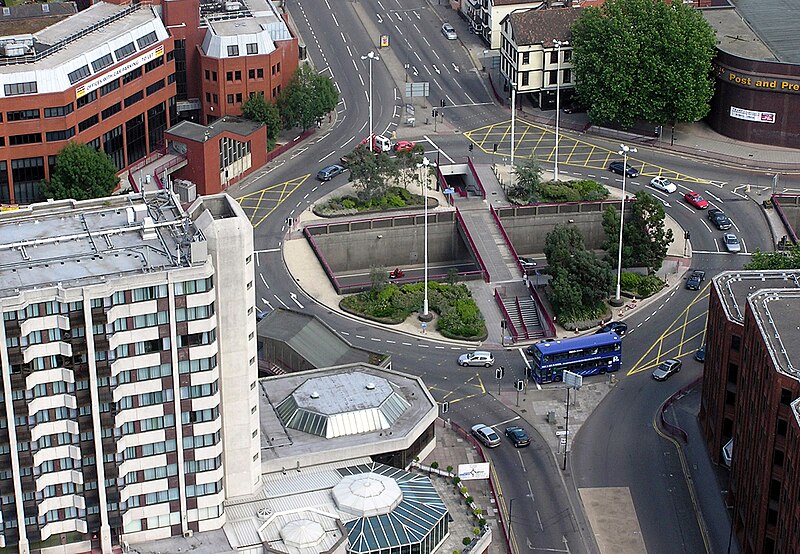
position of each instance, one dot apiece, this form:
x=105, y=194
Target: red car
x=404, y=146
x=696, y=200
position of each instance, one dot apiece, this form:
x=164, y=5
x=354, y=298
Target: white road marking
x=334, y=18
x=322, y=158
x=293, y=296
x=264, y=280
x=715, y=197
x=521, y=462
x=279, y=300
x=506, y=421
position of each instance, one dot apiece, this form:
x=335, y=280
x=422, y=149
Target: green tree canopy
x=81, y=173
x=257, y=109
x=786, y=259
x=408, y=162
x=528, y=178
x=370, y=173
x=581, y=281
x=643, y=60
x=645, y=240
x=307, y=98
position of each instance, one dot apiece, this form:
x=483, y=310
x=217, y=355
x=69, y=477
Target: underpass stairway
x=490, y=244
x=522, y=310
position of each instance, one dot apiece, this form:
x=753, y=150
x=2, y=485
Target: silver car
x=666, y=369
x=486, y=435
x=732, y=244
x=449, y=32
x=476, y=358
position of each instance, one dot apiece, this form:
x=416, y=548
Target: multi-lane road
x=617, y=446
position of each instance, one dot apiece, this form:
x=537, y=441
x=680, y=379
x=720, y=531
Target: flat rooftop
x=284, y=448
x=734, y=287
x=776, y=22
x=199, y=133
x=776, y=312
x=71, y=243
x=735, y=36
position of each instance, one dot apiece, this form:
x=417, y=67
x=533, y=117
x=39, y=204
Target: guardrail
x=506, y=238
x=477, y=179
x=521, y=318
x=778, y=208
x=670, y=429
x=509, y=324
x=274, y=153
x=150, y=158
x=178, y=159
x=546, y=318
x=472, y=245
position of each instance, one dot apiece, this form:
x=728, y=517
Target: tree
x=643, y=60
x=408, y=162
x=786, y=259
x=257, y=109
x=560, y=244
x=370, y=172
x=645, y=241
x=528, y=180
x=307, y=98
x=80, y=173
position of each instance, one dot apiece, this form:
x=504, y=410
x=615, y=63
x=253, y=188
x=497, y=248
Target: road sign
x=384, y=41
x=562, y=433
x=417, y=89
x=573, y=379
x=449, y=191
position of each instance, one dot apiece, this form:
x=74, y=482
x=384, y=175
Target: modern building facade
x=117, y=75
x=530, y=60
x=117, y=369
x=750, y=406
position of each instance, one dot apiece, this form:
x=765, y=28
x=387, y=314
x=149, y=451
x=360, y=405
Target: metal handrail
x=509, y=324
x=506, y=238
x=522, y=318
x=474, y=248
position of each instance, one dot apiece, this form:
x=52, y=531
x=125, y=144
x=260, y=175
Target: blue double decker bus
x=587, y=355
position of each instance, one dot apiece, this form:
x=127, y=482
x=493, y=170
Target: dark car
x=666, y=369
x=719, y=219
x=528, y=265
x=574, y=108
x=618, y=327
x=329, y=172
x=700, y=355
x=619, y=167
x=518, y=436
x=694, y=280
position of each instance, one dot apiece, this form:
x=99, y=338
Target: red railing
x=172, y=163
x=472, y=245
x=521, y=318
x=546, y=319
x=506, y=238
x=477, y=180
x=509, y=325
x=779, y=209
x=272, y=154
x=151, y=157
x=667, y=427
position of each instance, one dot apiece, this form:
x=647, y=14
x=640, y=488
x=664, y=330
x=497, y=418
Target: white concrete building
x=117, y=370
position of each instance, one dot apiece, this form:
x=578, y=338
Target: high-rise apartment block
x=116, y=368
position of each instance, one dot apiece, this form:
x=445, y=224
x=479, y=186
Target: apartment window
x=777, y=458
x=152, y=64
x=526, y=58
x=567, y=56
x=208, y=97
x=131, y=75
x=733, y=372
x=215, y=98
x=59, y=111
x=199, y=391
x=238, y=97
x=233, y=50
x=109, y=87
x=88, y=122
x=193, y=366
x=552, y=77
x=199, y=441
x=148, y=346
x=22, y=115
x=736, y=342
x=251, y=74
x=147, y=40
x=260, y=73
x=230, y=99
x=158, y=85
x=78, y=74
x=554, y=56
x=102, y=62
x=229, y=76
x=525, y=78
x=87, y=98
x=237, y=75
x=53, y=136
x=150, y=320
x=27, y=138
x=133, y=98
x=252, y=48
x=786, y=397
x=200, y=416
x=150, y=293
x=190, y=314
x=192, y=287
x=214, y=76
x=16, y=89
x=207, y=74
x=125, y=51
x=111, y=110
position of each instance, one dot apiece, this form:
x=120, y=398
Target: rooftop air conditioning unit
x=233, y=6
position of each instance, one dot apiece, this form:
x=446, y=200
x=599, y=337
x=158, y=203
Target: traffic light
x=499, y=372
x=471, y=146
x=495, y=148
x=445, y=407
x=687, y=235
x=520, y=385
x=442, y=102
x=433, y=112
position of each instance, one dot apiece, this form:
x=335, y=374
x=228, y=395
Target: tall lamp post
x=558, y=44
x=624, y=151
x=425, y=315
x=513, y=114
x=371, y=56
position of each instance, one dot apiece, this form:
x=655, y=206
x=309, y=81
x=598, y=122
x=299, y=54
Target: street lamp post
x=371, y=56
x=513, y=114
x=425, y=315
x=624, y=151
x=558, y=44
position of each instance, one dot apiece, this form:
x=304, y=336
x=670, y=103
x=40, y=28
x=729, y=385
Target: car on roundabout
x=667, y=369
x=619, y=167
x=731, y=243
x=694, y=280
x=700, y=355
x=618, y=327
x=329, y=172
x=477, y=358
x=719, y=219
x=663, y=184
x=694, y=199
x=486, y=435
x=518, y=437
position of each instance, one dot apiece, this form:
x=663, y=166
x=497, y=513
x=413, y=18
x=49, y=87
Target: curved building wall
x=756, y=100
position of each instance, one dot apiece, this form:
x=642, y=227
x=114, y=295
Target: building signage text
x=118, y=72
x=759, y=82
x=751, y=115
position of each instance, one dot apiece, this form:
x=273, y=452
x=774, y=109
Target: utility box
x=551, y=416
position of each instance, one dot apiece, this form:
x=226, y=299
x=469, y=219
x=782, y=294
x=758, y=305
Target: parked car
x=528, y=265
x=449, y=32
x=719, y=219
x=574, y=108
x=619, y=167
x=694, y=199
x=694, y=280
x=486, y=435
x=518, y=436
x=329, y=172
x=476, y=358
x=663, y=184
x=404, y=145
x=700, y=355
x=380, y=143
x=731, y=242
x=666, y=369
x=618, y=327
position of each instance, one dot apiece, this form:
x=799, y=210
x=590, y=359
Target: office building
x=128, y=410
x=750, y=406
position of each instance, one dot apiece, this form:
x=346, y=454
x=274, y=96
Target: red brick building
x=751, y=403
x=116, y=76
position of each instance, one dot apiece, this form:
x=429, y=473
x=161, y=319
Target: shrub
x=469, y=500
x=456, y=480
x=641, y=285
x=466, y=541
x=476, y=531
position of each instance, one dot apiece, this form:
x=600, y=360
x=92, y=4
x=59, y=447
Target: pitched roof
x=543, y=26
